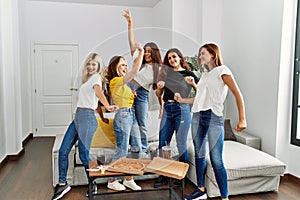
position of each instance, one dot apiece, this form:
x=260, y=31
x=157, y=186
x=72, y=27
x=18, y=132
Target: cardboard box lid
x=166, y=167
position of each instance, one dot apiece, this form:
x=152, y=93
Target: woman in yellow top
x=123, y=97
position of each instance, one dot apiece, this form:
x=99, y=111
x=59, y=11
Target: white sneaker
x=131, y=184
x=143, y=155
x=116, y=186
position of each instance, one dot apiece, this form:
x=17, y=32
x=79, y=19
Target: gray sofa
x=246, y=173
x=249, y=170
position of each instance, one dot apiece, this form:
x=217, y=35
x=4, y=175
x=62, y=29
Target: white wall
x=212, y=13
x=2, y=133
x=11, y=120
x=26, y=90
x=186, y=24
x=251, y=39
x=258, y=45
x=162, y=23
x=94, y=27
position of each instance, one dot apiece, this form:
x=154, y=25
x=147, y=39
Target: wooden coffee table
x=97, y=174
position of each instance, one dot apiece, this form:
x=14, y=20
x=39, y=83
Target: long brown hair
x=214, y=50
x=166, y=65
x=156, y=61
x=111, y=71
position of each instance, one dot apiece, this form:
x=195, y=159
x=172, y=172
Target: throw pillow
x=228, y=133
x=104, y=135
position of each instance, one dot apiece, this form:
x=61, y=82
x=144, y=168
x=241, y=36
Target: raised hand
x=139, y=46
x=127, y=15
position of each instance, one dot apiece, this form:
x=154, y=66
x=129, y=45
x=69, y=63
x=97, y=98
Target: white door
x=55, y=68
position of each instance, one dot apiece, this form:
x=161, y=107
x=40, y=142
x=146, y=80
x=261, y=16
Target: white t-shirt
x=86, y=96
x=145, y=77
x=211, y=91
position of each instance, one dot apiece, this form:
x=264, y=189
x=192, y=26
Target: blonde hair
x=96, y=57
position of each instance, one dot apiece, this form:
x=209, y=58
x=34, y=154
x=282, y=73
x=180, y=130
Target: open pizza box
x=167, y=167
x=129, y=166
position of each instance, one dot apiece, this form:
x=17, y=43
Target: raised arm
x=230, y=82
x=127, y=15
x=136, y=65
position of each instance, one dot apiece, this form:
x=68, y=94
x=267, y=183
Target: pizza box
x=167, y=167
x=140, y=171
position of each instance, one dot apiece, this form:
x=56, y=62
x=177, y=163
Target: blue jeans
x=206, y=123
x=82, y=128
x=69, y=140
x=176, y=117
x=141, y=112
x=124, y=125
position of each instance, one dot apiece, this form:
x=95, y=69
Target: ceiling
x=130, y=3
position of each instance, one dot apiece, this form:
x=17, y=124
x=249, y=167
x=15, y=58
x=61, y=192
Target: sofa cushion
x=104, y=135
x=243, y=161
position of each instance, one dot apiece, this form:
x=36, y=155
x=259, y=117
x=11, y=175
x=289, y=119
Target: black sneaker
x=60, y=191
x=162, y=180
x=196, y=195
x=94, y=189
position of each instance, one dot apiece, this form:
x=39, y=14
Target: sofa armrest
x=248, y=139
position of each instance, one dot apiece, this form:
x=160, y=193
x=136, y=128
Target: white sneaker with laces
x=131, y=184
x=115, y=185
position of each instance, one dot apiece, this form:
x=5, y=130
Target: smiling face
x=174, y=59
x=92, y=67
x=148, y=54
x=122, y=67
x=205, y=58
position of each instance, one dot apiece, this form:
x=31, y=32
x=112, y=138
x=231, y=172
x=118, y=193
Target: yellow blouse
x=121, y=94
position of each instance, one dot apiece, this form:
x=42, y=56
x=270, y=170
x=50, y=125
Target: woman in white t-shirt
x=141, y=84
x=208, y=118
x=84, y=125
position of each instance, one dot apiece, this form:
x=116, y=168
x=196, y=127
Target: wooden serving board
x=166, y=167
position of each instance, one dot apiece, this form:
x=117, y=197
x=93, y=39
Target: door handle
x=75, y=89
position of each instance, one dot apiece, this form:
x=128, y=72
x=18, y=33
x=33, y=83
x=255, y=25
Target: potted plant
x=193, y=63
